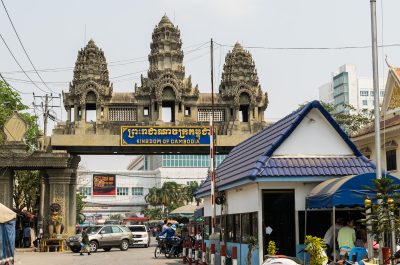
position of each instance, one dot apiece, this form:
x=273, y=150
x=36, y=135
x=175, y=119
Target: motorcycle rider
x=169, y=233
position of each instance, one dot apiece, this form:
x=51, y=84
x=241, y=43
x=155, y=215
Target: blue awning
x=347, y=191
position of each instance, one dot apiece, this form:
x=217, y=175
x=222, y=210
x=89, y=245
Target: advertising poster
x=104, y=185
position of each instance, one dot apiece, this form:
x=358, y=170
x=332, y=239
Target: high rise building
x=347, y=88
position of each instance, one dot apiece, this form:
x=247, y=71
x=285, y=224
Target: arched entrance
x=168, y=104
x=90, y=107
x=244, y=107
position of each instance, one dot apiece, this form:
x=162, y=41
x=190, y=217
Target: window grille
x=122, y=114
x=204, y=115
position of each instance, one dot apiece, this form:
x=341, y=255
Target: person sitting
x=346, y=238
x=169, y=233
x=328, y=238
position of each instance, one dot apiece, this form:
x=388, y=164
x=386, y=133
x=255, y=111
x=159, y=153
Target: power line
x=23, y=47
x=19, y=65
x=311, y=48
x=12, y=86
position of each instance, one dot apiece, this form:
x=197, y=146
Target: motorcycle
x=170, y=248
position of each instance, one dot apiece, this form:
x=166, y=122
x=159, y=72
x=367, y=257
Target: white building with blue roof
x=266, y=179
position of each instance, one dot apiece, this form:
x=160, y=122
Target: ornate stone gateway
x=58, y=170
x=239, y=105
x=238, y=113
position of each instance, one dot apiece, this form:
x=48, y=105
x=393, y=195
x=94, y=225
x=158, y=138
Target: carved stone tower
x=166, y=85
x=90, y=87
x=240, y=85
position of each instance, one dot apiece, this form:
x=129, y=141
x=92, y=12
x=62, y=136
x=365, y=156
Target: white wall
x=326, y=93
x=130, y=179
x=182, y=175
x=314, y=136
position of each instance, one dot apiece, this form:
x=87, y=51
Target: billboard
x=104, y=185
x=165, y=136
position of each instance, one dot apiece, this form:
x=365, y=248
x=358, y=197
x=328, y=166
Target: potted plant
x=316, y=246
x=252, y=243
x=271, y=250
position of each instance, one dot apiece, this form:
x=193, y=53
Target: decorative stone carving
x=394, y=102
x=240, y=76
x=15, y=128
x=90, y=75
x=166, y=65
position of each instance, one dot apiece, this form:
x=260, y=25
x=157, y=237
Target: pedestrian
x=328, y=238
x=346, y=238
x=85, y=242
x=39, y=237
x=165, y=226
x=26, y=236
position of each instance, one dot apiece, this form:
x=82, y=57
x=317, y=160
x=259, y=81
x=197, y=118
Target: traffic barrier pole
x=212, y=260
x=223, y=255
x=203, y=254
x=184, y=252
x=196, y=253
x=234, y=256
x=190, y=252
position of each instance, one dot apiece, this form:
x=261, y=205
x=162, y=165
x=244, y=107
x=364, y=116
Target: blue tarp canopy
x=7, y=234
x=347, y=191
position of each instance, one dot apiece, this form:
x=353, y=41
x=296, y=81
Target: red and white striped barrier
x=196, y=254
x=203, y=254
x=223, y=255
x=234, y=256
x=212, y=259
x=184, y=251
x=190, y=252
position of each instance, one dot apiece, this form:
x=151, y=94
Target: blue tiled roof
x=252, y=159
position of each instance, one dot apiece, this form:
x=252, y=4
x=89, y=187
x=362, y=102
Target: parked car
x=140, y=235
x=105, y=237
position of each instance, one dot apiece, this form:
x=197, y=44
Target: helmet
x=173, y=227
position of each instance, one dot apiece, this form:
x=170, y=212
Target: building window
x=121, y=114
x=187, y=111
x=190, y=160
x=391, y=163
x=85, y=191
x=382, y=93
x=364, y=93
x=123, y=191
x=204, y=115
x=372, y=93
x=137, y=191
x=365, y=102
x=146, y=111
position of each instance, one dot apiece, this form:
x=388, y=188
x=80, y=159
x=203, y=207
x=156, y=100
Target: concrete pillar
x=236, y=113
x=68, y=115
x=159, y=107
x=6, y=187
x=72, y=203
x=60, y=192
x=76, y=114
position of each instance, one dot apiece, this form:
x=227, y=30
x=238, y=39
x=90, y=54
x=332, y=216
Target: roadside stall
x=7, y=235
x=344, y=193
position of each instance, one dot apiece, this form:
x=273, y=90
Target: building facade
x=264, y=182
x=131, y=187
x=390, y=128
x=133, y=184
x=347, y=88
x=166, y=96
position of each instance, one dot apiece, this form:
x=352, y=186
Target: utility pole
x=212, y=151
x=46, y=107
x=376, y=108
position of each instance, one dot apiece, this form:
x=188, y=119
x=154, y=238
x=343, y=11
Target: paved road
x=134, y=256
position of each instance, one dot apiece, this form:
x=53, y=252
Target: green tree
x=350, y=120
x=80, y=203
x=10, y=101
x=153, y=213
x=26, y=183
x=383, y=221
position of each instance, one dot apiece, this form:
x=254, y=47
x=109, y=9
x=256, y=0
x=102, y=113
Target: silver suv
x=105, y=237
